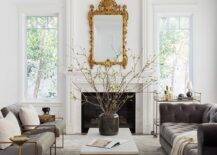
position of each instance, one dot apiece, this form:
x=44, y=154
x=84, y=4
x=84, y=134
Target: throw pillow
x=9, y=127
x=29, y=116
x=213, y=114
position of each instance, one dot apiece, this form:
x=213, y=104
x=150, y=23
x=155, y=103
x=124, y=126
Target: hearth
x=90, y=112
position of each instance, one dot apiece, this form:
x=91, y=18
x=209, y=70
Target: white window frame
x=171, y=11
x=40, y=11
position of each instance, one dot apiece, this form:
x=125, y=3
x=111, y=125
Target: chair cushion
x=14, y=108
x=9, y=127
x=29, y=116
x=44, y=141
x=170, y=130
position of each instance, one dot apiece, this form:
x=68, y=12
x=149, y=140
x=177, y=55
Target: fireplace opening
x=90, y=112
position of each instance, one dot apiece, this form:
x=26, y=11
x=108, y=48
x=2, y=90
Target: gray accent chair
x=42, y=138
x=179, y=118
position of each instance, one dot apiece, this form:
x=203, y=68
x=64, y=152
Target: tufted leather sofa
x=179, y=118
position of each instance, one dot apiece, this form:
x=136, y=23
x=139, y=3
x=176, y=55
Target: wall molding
x=70, y=5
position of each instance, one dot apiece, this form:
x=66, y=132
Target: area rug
x=147, y=145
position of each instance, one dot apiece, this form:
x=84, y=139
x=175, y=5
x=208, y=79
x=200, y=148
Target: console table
x=128, y=148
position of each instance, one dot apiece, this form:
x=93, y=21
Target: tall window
x=174, y=42
x=41, y=57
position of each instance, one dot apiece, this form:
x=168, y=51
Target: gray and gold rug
x=147, y=145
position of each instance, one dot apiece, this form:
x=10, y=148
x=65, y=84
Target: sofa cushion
x=29, y=116
x=207, y=112
x=14, y=108
x=182, y=113
x=170, y=130
x=9, y=127
x=213, y=114
x=213, y=117
x=43, y=140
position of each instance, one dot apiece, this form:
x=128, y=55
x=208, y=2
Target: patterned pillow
x=9, y=127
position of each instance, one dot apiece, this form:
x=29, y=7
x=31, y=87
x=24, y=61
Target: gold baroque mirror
x=108, y=30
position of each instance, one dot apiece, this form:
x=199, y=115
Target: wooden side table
x=46, y=118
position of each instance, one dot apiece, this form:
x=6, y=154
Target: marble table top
x=127, y=148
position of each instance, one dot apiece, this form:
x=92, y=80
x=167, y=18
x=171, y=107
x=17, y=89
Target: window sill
x=44, y=103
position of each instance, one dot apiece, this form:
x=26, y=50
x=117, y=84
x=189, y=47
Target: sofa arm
x=181, y=113
x=207, y=139
x=37, y=129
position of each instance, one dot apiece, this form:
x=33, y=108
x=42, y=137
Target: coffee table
x=128, y=148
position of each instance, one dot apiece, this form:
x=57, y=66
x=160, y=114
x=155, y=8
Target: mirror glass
x=108, y=34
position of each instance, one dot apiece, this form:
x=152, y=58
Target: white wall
x=10, y=73
x=81, y=26
x=205, y=74
x=8, y=53
x=81, y=34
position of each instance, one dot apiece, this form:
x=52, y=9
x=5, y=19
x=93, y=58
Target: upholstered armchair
x=43, y=134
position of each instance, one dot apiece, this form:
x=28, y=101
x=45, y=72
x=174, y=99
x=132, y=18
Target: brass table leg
x=20, y=150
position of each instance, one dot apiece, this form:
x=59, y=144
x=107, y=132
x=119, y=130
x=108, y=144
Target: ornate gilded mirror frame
x=108, y=7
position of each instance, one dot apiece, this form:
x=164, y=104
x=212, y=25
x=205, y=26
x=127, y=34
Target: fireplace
x=90, y=112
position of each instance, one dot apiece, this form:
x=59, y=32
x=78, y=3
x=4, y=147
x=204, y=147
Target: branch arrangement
x=110, y=84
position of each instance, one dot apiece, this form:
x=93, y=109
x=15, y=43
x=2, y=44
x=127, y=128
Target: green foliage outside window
x=174, y=46
x=42, y=58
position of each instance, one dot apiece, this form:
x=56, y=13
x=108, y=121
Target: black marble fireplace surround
x=90, y=112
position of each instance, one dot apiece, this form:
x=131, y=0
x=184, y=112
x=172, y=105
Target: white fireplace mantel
x=79, y=78
x=74, y=107
x=144, y=106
